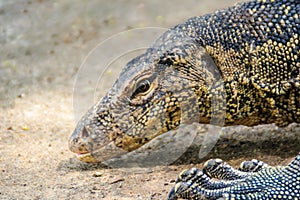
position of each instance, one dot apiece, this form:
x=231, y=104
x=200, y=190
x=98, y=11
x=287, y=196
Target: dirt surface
x=43, y=44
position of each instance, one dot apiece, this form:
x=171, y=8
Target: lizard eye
x=142, y=88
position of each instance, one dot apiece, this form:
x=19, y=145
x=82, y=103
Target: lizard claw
x=257, y=181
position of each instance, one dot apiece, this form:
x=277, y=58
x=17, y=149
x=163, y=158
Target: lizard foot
x=253, y=180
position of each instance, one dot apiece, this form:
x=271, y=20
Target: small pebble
x=97, y=174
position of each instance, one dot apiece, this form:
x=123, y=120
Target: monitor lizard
x=253, y=47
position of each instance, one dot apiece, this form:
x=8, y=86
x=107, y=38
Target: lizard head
x=146, y=100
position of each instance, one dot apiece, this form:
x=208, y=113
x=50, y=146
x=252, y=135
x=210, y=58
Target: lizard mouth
x=86, y=157
x=101, y=154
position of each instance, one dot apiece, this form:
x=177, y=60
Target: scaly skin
x=261, y=182
x=247, y=56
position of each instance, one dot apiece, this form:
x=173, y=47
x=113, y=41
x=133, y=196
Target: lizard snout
x=76, y=141
x=93, y=144
x=78, y=144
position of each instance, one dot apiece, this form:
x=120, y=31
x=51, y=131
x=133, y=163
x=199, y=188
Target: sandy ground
x=43, y=44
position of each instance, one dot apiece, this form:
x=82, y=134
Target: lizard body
x=252, y=47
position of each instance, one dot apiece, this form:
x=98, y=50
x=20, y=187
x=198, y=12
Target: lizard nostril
x=84, y=132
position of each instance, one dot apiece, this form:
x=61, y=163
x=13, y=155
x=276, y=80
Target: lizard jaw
x=104, y=153
x=87, y=157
